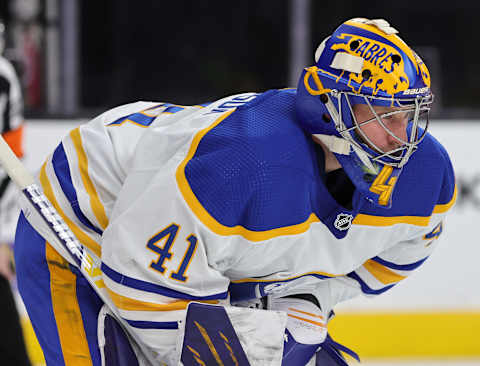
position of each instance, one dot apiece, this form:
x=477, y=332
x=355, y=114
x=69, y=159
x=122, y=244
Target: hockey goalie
x=225, y=233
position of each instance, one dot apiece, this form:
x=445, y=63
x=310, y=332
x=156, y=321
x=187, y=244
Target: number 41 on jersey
x=167, y=237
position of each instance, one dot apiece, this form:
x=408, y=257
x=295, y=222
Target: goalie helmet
x=365, y=62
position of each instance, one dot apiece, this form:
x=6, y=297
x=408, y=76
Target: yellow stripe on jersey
x=127, y=303
x=307, y=320
x=382, y=273
x=370, y=220
x=67, y=311
x=306, y=313
x=79, y=233
x=445, y=207
x=213, y=224
x=95, y=203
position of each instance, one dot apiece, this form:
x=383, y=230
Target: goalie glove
x=306, y=329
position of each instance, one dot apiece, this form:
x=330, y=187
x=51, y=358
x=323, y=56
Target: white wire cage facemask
x=416, y=110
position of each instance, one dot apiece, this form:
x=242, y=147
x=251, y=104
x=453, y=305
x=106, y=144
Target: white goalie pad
x=231, y=335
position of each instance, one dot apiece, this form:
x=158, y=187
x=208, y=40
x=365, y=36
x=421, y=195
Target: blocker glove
x=306, y=329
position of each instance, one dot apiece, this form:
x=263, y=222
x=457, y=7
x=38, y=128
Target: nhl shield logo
x=343, y=221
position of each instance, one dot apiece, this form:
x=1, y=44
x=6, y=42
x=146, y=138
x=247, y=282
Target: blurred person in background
x=282, y=203
x=12, y=345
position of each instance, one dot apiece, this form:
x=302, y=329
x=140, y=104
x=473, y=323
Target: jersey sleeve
x=83, y=175
x=382, y=272
x=154, y=257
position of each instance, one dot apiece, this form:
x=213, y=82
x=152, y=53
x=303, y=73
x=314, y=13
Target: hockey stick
x=59, y=235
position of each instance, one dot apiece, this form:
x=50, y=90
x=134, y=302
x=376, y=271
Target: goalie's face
x=383, y=129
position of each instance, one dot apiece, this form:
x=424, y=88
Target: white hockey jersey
x=227, y=202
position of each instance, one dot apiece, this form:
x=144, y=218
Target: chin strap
x=365, y=160
x=334, y=144
x=342, y=146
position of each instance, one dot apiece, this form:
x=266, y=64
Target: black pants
x=12, y=345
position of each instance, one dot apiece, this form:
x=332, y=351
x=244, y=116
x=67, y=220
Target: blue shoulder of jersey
x=256, y=174
x=256, y=171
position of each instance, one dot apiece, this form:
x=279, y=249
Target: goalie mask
x=365, y=62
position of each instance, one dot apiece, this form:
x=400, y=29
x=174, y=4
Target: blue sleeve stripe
x=137, y=118
x=401, y=267
x=367, y=289
x=173, y=109
x=118, y=121
x=247, y=289
x=145, y=120
x=62, y=172
x=157, y=289
x=152, y=325
x=141, y=119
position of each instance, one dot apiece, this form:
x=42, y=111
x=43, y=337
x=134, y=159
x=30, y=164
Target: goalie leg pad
x=210, y=337
x=61, y=305
x=114, y=345
x=215, y=335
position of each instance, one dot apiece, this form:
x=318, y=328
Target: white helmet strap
x=341, y=146
x=334, y=144
x=347, y=62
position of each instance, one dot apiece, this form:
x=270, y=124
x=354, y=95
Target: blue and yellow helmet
x=365, y=62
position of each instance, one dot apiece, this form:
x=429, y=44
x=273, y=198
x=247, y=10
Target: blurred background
x=76, y=59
